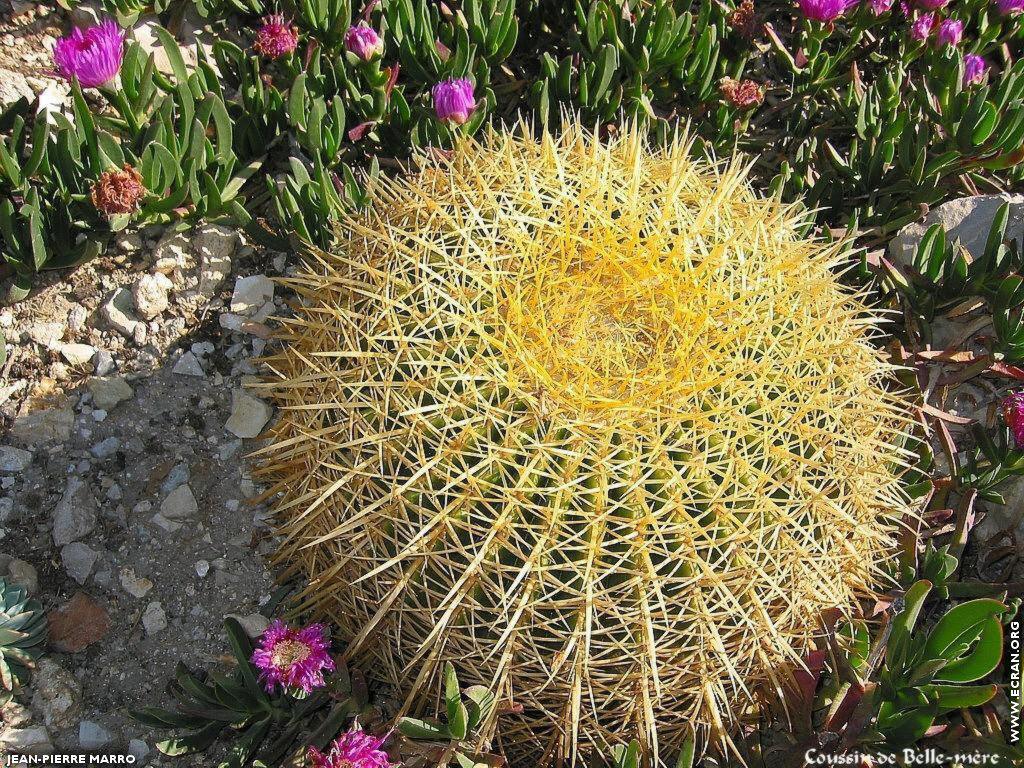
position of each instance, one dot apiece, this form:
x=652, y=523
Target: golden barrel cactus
x=591, y=420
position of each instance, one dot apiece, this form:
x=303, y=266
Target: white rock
x=46, y=334
x=215, y=245
x=249, y=415
x=13, y=86
x=108, y=391
x=966, y=219
x=188, y=365
x=74, y=517
x=14, y=459
x=154, y=619
x=251, y=293
x=57, y=694
x=24, y=575
x=202, y=568
x=77, y=354
x=77, y=318
x=179, y=504
x=134, y=585
x=119, y=312
x=25, y=741
x=150, y=294
x=93, y=735
x=104, y=363
x=78, y=559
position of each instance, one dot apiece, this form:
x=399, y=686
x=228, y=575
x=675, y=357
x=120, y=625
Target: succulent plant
x=22, y=637
x=591, y=420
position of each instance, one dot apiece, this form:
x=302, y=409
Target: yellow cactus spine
x=591, y=420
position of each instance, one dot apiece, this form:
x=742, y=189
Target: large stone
x=25, y=741
x=52, y=425
x=46, y=334
x=188, y=365
x=77, y=354
x=966, y=219
x=215, y=245
x=14, y=459
x=145, y=35
x=154, y=620
x=179, y=504
x=119, y=312
x=74, y=517
x=150, y=294
x=108, y=391
x=78, y=624
x=78, y=559
x=92, y=736
x=57, y=694
x=13, y=86
x=249, y=415
x=251, y=293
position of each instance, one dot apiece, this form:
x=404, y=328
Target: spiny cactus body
x=592, y=421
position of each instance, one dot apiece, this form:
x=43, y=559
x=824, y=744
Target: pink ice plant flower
x=922, y=26
x=454, y=100
x=294, y=659
x=878, y=7
x=353, y=749
x=931, y=5
x=1006, y=7
x=825, y=11
x=94, y=56
x=974, y=69
x=951, y=31
x=1013, y=415
x=276, y=37
x=363, y=41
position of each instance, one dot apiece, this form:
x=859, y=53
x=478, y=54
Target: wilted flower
x=744, y=20
x=974, y=68
x=825, y=11
x=1007, y=7
x=1013, y=415
x=363, y=41
x=922, y=26
x=742, y=94
x=276, y=37
x=454, y=100
x=353, y=749
x=93, y=56
x=118, y=191
x=878, y=7
x=293, y=658
x=950, y=32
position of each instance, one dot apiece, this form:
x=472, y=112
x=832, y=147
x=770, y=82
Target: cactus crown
x=591, y=419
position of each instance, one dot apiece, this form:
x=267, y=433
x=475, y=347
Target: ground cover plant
x=815, y=493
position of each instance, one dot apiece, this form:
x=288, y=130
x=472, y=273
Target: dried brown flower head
x=742, y=94
x=118, y=191
x=744, y=20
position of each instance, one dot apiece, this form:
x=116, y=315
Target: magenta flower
x=93, y=56
x=364, y=42
x=931, y=5
x=1013, y=415
x=974, y=69
x=276, y=37
x=922, y=26
x=293, y=659
x=825, y=11
x=878, y=7
x=353, y=749
x=454, y=100
x=950, y=32
x=1006, y=7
